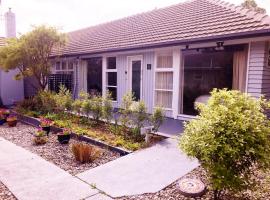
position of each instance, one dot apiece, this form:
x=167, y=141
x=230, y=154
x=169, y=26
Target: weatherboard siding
x=258, y=73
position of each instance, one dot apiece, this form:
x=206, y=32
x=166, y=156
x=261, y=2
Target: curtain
x=165, y=61
x=239, y=70
x=164, y=80
x=164, y=99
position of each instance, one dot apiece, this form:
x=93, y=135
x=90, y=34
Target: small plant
x=66, y=131
x=96, y=107
x=126, y=110
x=107, y=110
x=12, y=120
x=45, y=122
x=85, y=153
x=157, y=118
x=63, y=99
x=229, y=138
x=40, y=137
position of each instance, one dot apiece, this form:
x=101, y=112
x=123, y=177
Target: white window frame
x=106, y=77
x=61, y=70
x=160, y=70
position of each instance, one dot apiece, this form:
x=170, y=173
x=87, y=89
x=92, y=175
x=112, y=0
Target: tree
x=30, y=54
x=229, y=138
x=252, y=5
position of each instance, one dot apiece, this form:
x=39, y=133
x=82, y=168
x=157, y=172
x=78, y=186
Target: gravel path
x=5, y=194
x=53, y=151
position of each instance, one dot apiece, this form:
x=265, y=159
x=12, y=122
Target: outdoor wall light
x=220, y=46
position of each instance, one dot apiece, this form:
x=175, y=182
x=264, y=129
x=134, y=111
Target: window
x=111, y=77
x=64, y=67
x=164, y=80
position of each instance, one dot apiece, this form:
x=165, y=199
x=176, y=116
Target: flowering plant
x=12, y=118
x=2, y=116
x=40, y=133
x=66, y=131
x=45, y=122
x=4, y=111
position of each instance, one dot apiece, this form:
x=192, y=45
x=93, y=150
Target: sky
x=68, y=15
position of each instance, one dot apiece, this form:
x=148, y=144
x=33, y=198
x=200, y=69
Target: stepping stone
x=28, y=176
x=145, y=171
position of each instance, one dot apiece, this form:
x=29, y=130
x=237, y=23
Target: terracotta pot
x=39, y=140
x=12, y=123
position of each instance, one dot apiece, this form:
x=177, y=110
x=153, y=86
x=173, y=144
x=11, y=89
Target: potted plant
x=64, y=136
x=46, y=124
x=40, y=137
x=2, y=119
x=12, y=120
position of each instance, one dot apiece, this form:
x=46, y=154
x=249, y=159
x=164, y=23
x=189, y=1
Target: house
x=171, y=57
x=11, y=90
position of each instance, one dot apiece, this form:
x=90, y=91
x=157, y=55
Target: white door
x=135, y=76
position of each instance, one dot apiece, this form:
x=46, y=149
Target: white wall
x=10, y=89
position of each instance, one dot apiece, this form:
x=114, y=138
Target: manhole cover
x=191, y=187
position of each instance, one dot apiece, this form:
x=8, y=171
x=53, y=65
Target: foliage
x=140, y=116
x=66, y=131
x=63, y=99
x=85, y=153
x=30, y=54
x=157, y=118
x=96, y=107
x=40, y=137
x=45, y=122
x=230, y=136
x=107, y=110
x=252, y=5
x=45, y=101
x=126, y=110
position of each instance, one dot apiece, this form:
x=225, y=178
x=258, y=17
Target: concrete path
x=29, y=177
x=146, y=171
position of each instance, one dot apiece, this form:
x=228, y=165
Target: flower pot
x=12, y=123
x=2, y=121
x=47, y=129
x=39, y=140
x=63, y=139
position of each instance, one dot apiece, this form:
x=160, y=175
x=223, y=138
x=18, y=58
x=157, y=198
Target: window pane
x=64, y=65
x=111, y=63
x=165, y=61
x=112, y=78
x=57, y=65
x=164, y=80
x=136, y=79
x=70, y=65
x=113, y=92
x=163, y=99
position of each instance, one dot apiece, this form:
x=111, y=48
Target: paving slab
x=29, y=177
x=145, y=171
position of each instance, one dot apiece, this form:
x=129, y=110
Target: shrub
x=86, y=107
x=230, y=136
x=96, y=107
x=107, y=110
x=126, y=110
x=157, y=118
x=63, y=99
x=85, y=153
x=45, y=101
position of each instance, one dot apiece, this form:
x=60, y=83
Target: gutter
x=257, y=33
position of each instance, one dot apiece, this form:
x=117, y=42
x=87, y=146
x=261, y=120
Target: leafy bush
x=63, y=99
x=107, y=111
x=96, y=107
x=45, y=101
x=85, y=153
x=126, y=110
x=157, y=118
x=230, y=136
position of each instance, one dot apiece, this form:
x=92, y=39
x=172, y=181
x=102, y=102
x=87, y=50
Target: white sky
x=75, y=14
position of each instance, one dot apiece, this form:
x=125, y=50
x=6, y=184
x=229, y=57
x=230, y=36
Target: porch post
x=176, y=79
x=104, y=65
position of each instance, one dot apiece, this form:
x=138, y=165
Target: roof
x=195, y=20
x=2, y=41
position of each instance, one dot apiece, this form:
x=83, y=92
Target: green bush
x=126, y=110
x=230, y=136
x=63, y=99
x=157, y=118
x=107, y=110
x=96, y=107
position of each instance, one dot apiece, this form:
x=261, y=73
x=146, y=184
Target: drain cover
x=191, y=187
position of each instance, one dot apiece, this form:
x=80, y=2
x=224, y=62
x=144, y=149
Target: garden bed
x=53, y=151
x=100, y=133
x=5, y=194
x=260, y=192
